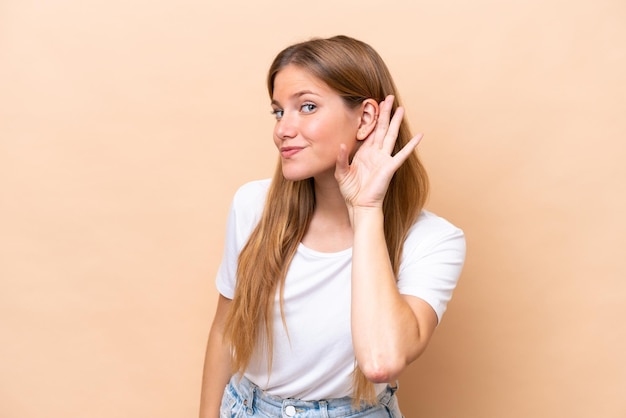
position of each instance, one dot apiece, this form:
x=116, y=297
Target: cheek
x=314, y=128
x=333, y=131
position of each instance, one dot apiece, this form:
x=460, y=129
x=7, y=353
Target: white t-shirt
x=314, y=358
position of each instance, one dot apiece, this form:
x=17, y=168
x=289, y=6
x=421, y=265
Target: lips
x=287, y=152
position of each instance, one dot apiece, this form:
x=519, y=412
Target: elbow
x=385, y=368
x=383, y=371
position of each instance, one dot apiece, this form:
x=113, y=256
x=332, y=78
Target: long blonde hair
x=356, y=72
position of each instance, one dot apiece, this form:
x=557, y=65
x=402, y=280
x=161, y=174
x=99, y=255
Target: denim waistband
x=256, y=399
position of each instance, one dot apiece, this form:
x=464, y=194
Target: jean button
x=290, y=410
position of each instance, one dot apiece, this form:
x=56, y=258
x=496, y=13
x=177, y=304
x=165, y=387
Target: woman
x=333, y=277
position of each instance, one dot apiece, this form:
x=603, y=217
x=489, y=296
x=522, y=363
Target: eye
x=278, y=113
x=308, y=108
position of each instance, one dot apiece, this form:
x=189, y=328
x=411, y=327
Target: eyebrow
x=296, y=95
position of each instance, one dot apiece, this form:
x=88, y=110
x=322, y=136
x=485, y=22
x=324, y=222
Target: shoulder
x=431, y=230
x=251, y=193
x=428, y=221
x=247, y=205
x=432, y=260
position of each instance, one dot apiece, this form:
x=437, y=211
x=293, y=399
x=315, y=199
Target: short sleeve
x=245, y=212
x=432, y=260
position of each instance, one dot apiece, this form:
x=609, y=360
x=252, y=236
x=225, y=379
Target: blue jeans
x=243, y=399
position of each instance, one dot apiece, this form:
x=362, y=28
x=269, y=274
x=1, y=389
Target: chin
x=295, y=176
x=297, y=172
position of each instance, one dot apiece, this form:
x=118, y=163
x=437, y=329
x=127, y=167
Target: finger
x=382, y=124
x=392, y=132
x=407, y=150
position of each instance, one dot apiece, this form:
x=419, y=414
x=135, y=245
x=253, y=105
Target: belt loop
x=387, y=395
x=323, y=409
x=395, y=388
x=248, y=395
x=251, y=399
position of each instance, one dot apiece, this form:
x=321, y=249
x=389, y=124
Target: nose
x=285, y=127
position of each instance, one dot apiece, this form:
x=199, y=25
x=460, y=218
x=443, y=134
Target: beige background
x=125, y=128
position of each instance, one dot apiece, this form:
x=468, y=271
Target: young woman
x=333, y=277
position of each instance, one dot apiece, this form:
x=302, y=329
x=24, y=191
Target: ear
x=367, y=119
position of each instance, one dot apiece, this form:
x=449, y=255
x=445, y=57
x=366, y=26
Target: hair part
x=356, y=72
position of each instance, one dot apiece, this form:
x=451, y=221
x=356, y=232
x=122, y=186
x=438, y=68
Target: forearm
x=385, y=330
x=217, y=370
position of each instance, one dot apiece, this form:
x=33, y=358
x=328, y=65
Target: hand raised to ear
x=364, y=182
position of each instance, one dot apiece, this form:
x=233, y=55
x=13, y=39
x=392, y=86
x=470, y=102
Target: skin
x=348, y=154
x=217, y=370
x=389, y=330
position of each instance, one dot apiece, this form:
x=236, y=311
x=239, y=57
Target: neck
x=329, y=201
x=329, y=229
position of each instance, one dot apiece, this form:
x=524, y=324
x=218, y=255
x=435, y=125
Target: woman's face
x=312, y=120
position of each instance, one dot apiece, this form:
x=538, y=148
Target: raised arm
x=389, y=330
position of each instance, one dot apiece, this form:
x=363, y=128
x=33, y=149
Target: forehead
x=293, y=79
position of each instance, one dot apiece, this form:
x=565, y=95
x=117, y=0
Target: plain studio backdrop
x=126, y=127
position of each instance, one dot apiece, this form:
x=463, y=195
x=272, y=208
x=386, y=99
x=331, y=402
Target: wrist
x=367, y=216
